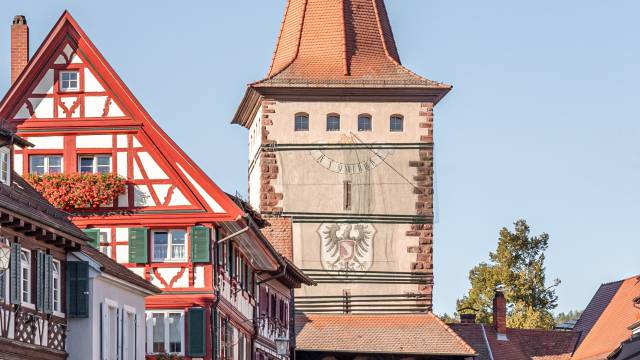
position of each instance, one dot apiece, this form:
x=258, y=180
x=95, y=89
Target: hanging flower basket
x=78, y=191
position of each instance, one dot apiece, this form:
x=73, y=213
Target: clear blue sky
x=542, y=122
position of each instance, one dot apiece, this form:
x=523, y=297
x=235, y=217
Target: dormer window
x=69, y=81
x=5, y=165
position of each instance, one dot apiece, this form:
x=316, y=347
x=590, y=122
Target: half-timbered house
x=38, y=237
x=70, y=103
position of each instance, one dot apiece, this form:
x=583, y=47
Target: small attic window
x=5, y=166
x=69, y=81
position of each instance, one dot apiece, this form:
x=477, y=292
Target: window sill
x=28, y=305
x=59, y=314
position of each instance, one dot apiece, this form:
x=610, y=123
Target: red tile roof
x=341, y=43
x=612, y=326
x=278, y=230
x=417, y=334
x=522, y=344
x=596, y=307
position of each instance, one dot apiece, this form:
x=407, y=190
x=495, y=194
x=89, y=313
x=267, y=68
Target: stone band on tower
x=341, y=141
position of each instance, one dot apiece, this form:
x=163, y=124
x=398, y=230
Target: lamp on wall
x=282, y=346
x=5, y=255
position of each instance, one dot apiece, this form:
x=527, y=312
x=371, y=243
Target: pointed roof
x=341, y=43
x=215, y=202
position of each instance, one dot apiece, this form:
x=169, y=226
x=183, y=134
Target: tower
x=341, y=143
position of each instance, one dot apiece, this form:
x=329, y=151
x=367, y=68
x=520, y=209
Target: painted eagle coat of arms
x=346, y=247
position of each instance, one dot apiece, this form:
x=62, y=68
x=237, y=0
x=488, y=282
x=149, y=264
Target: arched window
x=396, y=123
x=302, y=122
x=333, y=122
x=364, y=122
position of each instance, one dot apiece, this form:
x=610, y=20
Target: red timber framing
x=166, y=190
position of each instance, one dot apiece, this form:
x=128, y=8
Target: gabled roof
x=596, y=307
x=612, y=326
x=522, y=344
x=210, y=201
x=339, y=43
x=411, y=334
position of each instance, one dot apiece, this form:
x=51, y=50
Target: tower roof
x=339, y=43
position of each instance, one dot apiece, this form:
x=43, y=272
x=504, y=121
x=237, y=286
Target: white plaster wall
x=94, y=141
x=94, y=106
x=47, y=142
x=45, y=86
x=91, y=84
x=151, y=167
x=84, y=333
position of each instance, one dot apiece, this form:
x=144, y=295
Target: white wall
x=84, y=334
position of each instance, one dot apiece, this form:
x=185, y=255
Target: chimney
x=500, y=315
x=467, y=318
x=19, y=46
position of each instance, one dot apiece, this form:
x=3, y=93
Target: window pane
x=36, y=164
x=396, y=124
x=158, y=333
x=103, y=163
x=160, y=245
x=178, y=244
x=333, y=123
x=55, y=164
x=175, y=336
x=3, y=280
x=86, y=164
x=364, y=123
x=302, y=123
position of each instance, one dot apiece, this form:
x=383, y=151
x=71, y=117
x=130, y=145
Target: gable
x=70, y=103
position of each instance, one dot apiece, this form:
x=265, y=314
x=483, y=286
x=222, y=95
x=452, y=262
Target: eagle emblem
x=347, y=247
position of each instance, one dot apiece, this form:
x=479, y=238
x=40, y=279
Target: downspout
x=214, y=307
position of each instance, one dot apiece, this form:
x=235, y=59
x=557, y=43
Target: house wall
x=86, y=336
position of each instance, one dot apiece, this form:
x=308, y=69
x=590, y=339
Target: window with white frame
x=95, y=164
x=69, y=81
x=45, y=164
x=166, y=329
x=104, y=238
x=55, y=271
x=111, y=348
x=333, y=122
x=25, y=271
x=5, y=165
x=129, y=336
x=301, y=122
x=169, y=245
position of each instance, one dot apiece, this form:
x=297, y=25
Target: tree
x=562, y=317
x=517, y=265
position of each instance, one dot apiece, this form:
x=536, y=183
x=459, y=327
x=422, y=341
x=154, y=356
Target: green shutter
x=196, y=332
x=138, y=246
x=94, y=234
x=40, y=280
x=200, y=244
x=48, y=283
x=77, y=289
x=15, y=276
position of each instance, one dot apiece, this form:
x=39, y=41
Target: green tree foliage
x=562, y=317
x=517, y=265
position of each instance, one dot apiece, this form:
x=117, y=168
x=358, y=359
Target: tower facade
x=341, y=151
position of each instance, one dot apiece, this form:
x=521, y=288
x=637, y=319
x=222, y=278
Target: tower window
x=69, y=81
x=364, y=123
x=396, y=123
x=347, y=195
x=302, y=122
x=333, y=122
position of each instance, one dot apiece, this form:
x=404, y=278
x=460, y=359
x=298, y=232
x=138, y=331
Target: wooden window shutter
x=233, y=261
x=220, y=248
x=138, y=253
x=15, y=275
x=40, y=280
x=94, y=234
x=196, y=332
x=77, y=289
x=48, y=283
x=228, y=252
x=200, y=244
